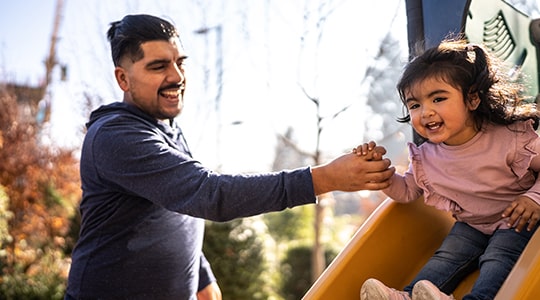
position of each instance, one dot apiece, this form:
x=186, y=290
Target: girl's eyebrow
x=431, y=94
x=435, y=92
x=409, y=99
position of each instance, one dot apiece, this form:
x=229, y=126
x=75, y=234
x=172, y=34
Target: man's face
x=155, y=83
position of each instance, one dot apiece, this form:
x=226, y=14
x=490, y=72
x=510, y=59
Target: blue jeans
x=466, y=249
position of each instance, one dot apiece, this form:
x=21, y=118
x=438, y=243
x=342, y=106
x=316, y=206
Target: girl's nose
x=428, y=111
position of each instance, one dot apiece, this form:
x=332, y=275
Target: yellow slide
x=396, y=241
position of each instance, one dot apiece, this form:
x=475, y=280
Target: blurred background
x=273, y=84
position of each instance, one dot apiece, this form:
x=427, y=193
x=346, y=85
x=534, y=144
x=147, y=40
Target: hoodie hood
x=117, y=108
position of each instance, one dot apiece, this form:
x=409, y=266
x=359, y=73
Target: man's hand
x=210, y=292
x=351, y=172
x=521, y=212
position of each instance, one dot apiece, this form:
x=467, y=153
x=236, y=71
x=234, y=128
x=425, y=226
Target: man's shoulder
x=119, y=113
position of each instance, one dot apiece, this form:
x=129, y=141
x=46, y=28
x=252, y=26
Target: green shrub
x=296, y=271
x=235, y=251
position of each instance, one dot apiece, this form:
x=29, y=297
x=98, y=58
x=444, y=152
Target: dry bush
x=42, y=188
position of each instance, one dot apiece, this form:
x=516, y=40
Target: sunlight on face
x=156, y=82
x=439, y=112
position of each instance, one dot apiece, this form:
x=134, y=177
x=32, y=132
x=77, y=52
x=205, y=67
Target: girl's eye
x=413, y=106
x=438, y=99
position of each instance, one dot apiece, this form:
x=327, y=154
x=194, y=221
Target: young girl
x=480, y=161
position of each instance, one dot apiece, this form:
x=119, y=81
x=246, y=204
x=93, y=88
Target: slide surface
x=395, y=242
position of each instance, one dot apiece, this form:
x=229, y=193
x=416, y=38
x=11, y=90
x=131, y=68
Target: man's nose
x=176, y=74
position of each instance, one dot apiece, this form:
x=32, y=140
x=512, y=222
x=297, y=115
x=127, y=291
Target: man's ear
x=473, y=101
x=121, y=78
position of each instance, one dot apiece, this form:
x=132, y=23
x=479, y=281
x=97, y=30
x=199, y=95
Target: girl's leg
x=456, y=258
x=503, y=250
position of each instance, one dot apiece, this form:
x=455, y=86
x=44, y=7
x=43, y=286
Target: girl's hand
x=370, y=151
x=521, y=212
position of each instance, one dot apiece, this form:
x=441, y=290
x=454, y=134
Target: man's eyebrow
x=163, y=61
x=157, y=62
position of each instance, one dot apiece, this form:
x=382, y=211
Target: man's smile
x=171, y=94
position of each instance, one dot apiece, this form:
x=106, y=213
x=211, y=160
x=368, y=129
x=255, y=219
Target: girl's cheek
x=415, y=122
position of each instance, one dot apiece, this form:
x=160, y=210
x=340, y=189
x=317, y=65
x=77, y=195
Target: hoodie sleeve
x=206, y=276
x=136, y=159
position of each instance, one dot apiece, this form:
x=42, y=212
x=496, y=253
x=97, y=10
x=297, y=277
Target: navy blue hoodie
x=144, y=201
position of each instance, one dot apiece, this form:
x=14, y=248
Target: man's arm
x=208, y=288
x=210, y=292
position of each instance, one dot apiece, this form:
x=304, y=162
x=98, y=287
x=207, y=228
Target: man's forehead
x=178, y=43
x=161, y=47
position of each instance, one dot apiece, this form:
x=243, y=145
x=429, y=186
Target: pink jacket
x=476, y=181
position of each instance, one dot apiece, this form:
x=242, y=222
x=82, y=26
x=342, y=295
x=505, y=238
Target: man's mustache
x=172, y=86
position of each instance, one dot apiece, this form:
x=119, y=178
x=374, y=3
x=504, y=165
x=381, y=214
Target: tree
x=235, y=252
x=317, y=15
x=381, y=77
x=42, y=186
x=290, y=224
x=296, y=271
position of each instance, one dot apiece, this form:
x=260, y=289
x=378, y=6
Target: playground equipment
x=397, y=239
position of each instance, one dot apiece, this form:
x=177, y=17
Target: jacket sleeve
x=135, y=159
x=206, y=276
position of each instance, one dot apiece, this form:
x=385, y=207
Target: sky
x=25, y=32
x=265, y=67
x=270, y=53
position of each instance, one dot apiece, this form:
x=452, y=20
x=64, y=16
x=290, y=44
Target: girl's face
x=439, y=113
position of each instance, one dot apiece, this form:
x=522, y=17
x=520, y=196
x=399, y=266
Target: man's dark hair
x=127, y=35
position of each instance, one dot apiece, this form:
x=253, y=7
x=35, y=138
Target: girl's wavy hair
x=472, y=69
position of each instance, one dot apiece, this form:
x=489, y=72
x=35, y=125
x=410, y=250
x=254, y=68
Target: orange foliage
x=42, y=185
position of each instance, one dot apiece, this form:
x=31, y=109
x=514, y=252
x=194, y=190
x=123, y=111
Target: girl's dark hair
x=472, y=69
x=127, y=35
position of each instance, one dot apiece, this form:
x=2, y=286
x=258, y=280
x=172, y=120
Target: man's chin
x=169, y=114
x=174, y=115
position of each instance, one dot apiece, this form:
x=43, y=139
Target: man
x=145, y=197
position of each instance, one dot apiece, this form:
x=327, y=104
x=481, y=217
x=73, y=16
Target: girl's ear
x=473, y=101
x=121, y=78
